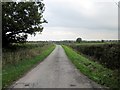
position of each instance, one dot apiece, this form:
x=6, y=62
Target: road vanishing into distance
x=56, y=71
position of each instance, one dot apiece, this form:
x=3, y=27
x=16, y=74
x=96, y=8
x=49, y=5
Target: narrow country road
x=56, y=71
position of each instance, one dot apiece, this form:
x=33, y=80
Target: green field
x=17, y=62
x=95, y=43
x=93, y=70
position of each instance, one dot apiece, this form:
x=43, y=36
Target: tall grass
x=18, y=52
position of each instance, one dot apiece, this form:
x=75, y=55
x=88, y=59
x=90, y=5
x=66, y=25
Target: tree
x=20, y=19
x=102, y=41
x=78, y=40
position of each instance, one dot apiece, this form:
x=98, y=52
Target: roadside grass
x=93, y=70
x=12, y=72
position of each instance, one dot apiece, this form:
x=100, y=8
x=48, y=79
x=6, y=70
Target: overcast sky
x=88, y=19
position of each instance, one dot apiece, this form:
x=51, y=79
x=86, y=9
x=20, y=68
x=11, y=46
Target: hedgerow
x=106, y=54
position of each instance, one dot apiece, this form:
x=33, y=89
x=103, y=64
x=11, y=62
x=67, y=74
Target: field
x=99, y=61
x=20, y=58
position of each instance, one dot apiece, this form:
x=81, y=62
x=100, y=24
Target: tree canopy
x=78, y=40
x=20, y=19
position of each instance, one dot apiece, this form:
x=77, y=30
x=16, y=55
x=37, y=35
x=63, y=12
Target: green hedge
x=106, y=54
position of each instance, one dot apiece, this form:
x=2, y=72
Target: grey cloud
x=62, y=15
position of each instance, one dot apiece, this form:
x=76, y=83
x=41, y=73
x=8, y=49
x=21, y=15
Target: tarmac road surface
x=56, y=71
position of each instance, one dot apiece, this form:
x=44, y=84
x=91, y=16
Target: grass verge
x=12, y=72
x=93, y=70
